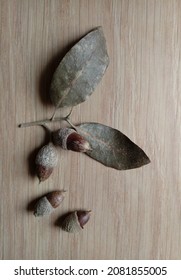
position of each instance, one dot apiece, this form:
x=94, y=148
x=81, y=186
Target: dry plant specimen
x=74, y=80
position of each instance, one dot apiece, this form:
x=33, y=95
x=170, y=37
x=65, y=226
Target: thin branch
x=42, y=122
x=52, y=119
x=54, y=113
x=68, y=116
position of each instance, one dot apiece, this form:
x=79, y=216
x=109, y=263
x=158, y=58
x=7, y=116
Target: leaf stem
x=68, y=116
x=71, y=124
x=54, y=113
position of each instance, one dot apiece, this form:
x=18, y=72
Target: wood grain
x=136, y=214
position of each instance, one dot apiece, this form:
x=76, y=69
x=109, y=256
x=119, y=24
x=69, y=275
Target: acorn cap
x=75, y=221
x=47, y=156
x=43, y=207
x=45, y=161
x=60, y=136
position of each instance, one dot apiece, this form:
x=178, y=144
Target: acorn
x=69, y=139
x=45, y=161
x=75, y=221
x=47, y=204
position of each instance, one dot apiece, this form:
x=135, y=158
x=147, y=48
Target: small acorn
x=45, y=161
x=47, y=204
x=69, y=139
x=75, y=221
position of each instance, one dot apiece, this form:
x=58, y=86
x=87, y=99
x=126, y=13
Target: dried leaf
x=111, y=147
x=80, y=71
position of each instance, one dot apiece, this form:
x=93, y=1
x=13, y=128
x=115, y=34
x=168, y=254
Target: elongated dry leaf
x=111, y=147
x=80, y=71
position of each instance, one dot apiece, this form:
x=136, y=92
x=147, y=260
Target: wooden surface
x=136, y=214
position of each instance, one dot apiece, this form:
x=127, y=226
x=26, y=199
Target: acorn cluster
x=46, y=160
x=74, y=80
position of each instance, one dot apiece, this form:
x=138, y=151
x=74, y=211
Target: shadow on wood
x=31, y=205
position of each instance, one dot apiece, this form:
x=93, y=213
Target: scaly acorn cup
x=75, y=221
x=45, y=161
x=47, y=204
x=69, y=139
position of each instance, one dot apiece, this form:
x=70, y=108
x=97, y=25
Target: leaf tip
x=98, y=28
x=148, y=160
x=145, y=160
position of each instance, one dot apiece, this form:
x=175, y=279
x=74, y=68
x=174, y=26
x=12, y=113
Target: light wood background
x=136, y=214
